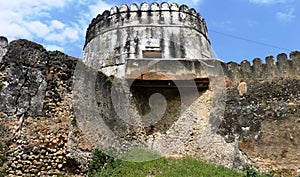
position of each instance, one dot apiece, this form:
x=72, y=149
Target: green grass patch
x=166, y=167
x=140, y=155
x=131, y=165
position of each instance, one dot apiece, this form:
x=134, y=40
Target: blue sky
x=238, y=29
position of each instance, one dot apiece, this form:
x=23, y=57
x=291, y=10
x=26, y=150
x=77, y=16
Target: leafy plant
x=251, y=172
x=3, y=159
x=102, y=164
x=1, y=86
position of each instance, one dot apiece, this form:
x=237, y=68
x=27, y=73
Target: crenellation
x=295, y=58
x=184, y=8
x=154, y=7
x=283, y=65
x=134, y=7
x=234, y=72
x=246, y=70
x=106, y=14
x=295, y=55
x=193, y=12
x=271, y=69
x=258, y=69
x=144, y=6
x=123, y=8
x=282, y=68
x=155, y=14
x=114, y=10
x=165, y=6
x=174, y=7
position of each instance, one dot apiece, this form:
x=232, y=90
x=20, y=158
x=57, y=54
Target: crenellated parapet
x=146, y=32
x=163, y=14
x=284, y=67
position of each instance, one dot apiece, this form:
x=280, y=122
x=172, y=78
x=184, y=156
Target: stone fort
x=147, y=79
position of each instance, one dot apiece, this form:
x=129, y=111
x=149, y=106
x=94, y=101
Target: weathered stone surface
x=162, y=32
x=37, y=98
x=3, y=46
x=41, y=120
x=266, y=122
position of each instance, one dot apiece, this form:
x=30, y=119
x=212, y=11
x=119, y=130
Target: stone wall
x=262, y=111
x=284, y=67
x=249, y=114
x=3, y=46
x=145, y=31
x=38, y=133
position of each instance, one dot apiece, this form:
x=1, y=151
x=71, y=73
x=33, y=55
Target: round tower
x=158, y=86
x=147, y=32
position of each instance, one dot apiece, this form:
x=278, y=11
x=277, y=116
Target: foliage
x=102, y=164
x=1, y=86
x=251, y=172
x=3, y=150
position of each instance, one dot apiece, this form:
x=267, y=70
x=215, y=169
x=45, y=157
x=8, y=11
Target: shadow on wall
x=170, y=102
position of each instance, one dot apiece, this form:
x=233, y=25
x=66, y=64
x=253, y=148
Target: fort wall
x=283, y=67
x=39, y=123
x=159, y=31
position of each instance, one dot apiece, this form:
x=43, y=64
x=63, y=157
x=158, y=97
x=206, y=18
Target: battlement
x=146, y=32
x=284, y=67
x=152, y=14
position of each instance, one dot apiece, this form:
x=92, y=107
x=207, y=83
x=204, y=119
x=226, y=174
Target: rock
x=242, y=88
x=60, y=166
x=3, y=46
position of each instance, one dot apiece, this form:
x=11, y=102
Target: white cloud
x=268, y=1
x=23, y=18
x=99, y=8
x=57, y=24
x=286, y=16
x=53, y=23
x=37, y=28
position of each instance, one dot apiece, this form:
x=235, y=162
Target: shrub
x=1, y=86
x=102, y=164
x=251, y=172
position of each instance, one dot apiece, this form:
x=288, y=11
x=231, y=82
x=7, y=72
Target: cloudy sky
x=238, y=29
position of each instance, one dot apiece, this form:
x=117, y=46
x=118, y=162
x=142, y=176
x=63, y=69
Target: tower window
x=152, y=49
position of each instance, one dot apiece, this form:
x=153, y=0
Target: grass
x=140, y=155
x=145, y=163
x=104, y=166
x=166, y=167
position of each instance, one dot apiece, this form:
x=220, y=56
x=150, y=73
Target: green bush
x=102, y=164
x=1, y=86
x=251, y=172
x=3, y=159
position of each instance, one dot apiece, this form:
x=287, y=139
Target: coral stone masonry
x=147, y=80
x=125, y=40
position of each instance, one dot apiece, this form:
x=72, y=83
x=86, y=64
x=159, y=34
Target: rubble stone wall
x=40, y=133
